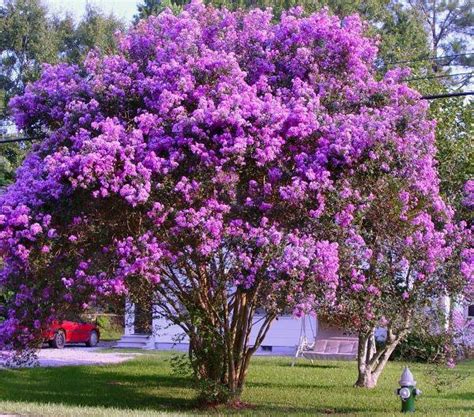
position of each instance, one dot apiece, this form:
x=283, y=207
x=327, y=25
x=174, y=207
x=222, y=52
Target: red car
x=60, y=333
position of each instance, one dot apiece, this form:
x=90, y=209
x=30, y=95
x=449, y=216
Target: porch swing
x=325, y=343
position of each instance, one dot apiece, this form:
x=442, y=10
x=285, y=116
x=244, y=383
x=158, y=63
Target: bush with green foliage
x=424, y=347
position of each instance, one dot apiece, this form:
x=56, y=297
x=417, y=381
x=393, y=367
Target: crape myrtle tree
x=210, y=164
x=400, y=252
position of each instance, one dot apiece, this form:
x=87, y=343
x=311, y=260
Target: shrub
x=424, y=347
x=111, y=327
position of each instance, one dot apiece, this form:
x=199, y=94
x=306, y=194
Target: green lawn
x=147, y=387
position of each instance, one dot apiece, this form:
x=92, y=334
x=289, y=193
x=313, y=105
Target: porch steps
x=136, y=341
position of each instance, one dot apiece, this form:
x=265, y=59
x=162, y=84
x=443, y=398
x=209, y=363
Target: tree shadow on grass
x=289, y=385
x=125, y=387
x=466, y=396
x=88, y=386
x=271, y=410
x=309, y=365
x=148, y=385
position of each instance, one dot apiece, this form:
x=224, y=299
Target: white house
x=284, y=337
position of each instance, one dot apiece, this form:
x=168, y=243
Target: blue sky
x=125, y=9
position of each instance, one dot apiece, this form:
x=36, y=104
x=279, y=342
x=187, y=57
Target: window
x=470, y=310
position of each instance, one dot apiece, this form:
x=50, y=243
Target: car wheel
x=93, y=339
x=59, y=340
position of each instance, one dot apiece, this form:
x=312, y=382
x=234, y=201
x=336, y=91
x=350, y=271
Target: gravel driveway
x=75, y=355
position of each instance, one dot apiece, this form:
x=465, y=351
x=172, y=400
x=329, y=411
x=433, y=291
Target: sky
x=124, y=9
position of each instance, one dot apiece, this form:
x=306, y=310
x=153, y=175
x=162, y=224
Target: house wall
x=282, y=337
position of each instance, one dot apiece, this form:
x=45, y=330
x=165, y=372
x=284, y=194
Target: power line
x=439, y=76
x=447, y=95
x=24, y=139
x=433, y=58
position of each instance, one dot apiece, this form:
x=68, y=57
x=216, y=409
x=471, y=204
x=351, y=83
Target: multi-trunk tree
x=221, y=162
x=400, y=252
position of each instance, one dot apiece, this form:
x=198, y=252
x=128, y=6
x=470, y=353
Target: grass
x=146, y=387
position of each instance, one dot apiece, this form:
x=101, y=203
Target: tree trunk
x=218, y=320
x=366, y=379
x=366, y=351
x=219, y=350
x=220, y=372
x=371, y=361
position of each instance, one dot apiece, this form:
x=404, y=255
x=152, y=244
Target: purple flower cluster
x=469, y=194
x=217, y=138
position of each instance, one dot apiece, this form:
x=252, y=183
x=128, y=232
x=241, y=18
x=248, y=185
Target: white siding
x=283, y=335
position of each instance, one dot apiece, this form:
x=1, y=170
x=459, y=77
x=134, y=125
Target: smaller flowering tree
x=399, y=250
